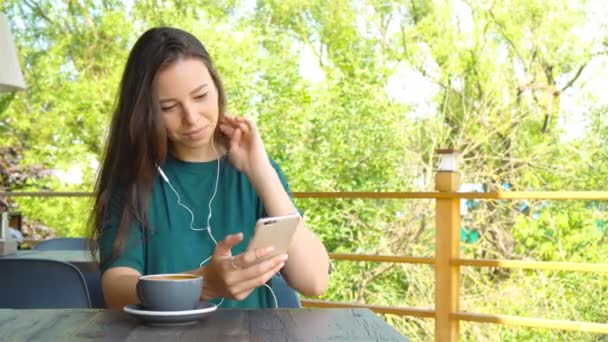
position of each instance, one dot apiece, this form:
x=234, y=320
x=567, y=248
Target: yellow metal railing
x=447, y=261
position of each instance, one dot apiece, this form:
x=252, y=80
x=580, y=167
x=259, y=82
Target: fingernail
x=269, y=249
x=282, y=265
x=284, y=257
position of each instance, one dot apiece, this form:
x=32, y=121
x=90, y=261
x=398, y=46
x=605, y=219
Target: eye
x=200, y=97
x=167, y=109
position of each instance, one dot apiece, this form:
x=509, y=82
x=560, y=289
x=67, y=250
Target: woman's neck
x=211, y=152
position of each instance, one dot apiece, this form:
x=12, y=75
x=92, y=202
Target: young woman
x=182, y=184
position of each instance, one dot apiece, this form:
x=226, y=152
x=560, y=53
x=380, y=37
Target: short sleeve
x=132, y=252
x=261, y=209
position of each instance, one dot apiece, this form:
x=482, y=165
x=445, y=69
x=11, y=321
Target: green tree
x=496, y=71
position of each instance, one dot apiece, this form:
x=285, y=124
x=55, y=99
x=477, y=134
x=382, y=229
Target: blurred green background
x=356, y=96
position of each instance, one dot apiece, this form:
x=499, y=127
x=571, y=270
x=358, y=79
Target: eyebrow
x=197, y=89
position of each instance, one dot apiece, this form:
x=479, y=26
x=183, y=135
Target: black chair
x=93, y=280
x=41, y=284
x=286, y=296
x=69, y=244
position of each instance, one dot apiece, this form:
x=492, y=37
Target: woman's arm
x=118, y=286
x=221, y=278
x=307, y=269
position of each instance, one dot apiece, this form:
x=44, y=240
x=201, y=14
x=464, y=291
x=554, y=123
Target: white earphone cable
x=208, y=228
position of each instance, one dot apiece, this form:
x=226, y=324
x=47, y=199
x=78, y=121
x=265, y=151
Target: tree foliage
x=356, y=96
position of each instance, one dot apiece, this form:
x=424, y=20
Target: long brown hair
x=137, y=140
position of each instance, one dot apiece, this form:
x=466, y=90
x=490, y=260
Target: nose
x=190, y=115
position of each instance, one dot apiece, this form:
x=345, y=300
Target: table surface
x=222, y=325
x=83, y=260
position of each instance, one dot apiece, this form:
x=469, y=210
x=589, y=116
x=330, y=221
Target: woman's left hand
x=246, y=150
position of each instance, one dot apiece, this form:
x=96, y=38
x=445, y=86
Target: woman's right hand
x=236, y=277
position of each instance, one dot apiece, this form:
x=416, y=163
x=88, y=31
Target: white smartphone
x=276, y=232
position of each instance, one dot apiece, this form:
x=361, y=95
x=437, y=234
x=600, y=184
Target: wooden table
x=83, y=260
x=222, y=325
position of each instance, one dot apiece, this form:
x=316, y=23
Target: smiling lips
x=195, y=134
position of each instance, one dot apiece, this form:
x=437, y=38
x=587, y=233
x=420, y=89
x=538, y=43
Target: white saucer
x=170, y=318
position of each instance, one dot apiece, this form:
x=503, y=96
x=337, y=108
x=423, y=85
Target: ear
x=220, y=138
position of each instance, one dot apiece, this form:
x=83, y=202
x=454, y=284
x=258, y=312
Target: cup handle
x=140, y=293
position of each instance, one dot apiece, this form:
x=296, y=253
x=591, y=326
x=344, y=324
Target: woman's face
x=188, y=101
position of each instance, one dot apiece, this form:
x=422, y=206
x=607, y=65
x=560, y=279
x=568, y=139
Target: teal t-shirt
x=171, y=245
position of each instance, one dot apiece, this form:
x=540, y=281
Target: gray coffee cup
x=169, y=292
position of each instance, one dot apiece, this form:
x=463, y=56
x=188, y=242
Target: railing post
x=447, y=247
